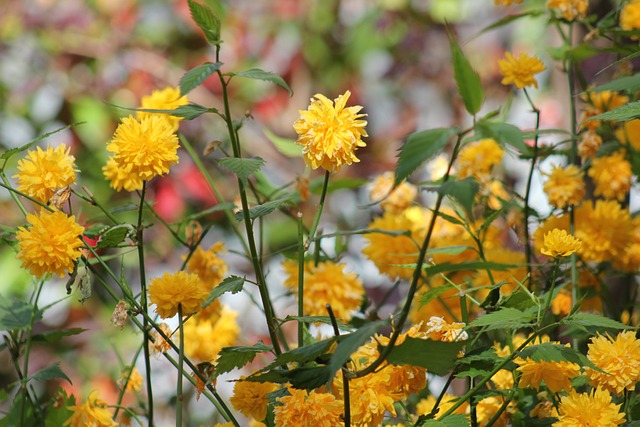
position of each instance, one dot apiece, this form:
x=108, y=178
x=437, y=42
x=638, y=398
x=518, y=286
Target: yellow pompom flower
x=605, y=100
x=135, y=379
x=330, y=132
x=50, y=244
x=173, y=289
x=630, y=16
x=590, y=143
x=629, y=134
x=326, y=283
x=250, y=398
x=42, y=172
x=93, y=413
x=208, y=265
x=395, y=201
x=520, y=71
x=556, y=375
x=612, y=176
x=569, y=10
x=559, y=243
x=565, y=186
x=119, y=177
x=206, y=334
x=143, y=149
x=478, y=158
x=308, y=409
x=166, y=99
x=589, y=409
x=619, y=358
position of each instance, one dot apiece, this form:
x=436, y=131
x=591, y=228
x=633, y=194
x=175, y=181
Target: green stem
x=316, y=221
x=164, y=223
x=123, y=387
x=90, y=198
x=547, y=303
x=301, y=324
x=345, y=378
x=181, y=372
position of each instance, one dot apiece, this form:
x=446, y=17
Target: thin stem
x=301, y=324
x=345, y=378
x=316, y=221
x=163, y=222
x=547, y=303
x=180, y=368
x=123, y=386
x=6, y=184
x=90, y=198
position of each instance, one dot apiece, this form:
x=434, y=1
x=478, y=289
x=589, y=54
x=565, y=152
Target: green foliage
x=625, y=113
x=194, y=77
x=464, y=191
x=453, y=420
x=306, y=377
x=111, y=237
x=630, y=84
x=56, y=335
x=242, y=167
x=263, y=209
x=258, y=74
x=551, y=352
x=437, y=357
x=16, y=314
x=420, y=147
x=231, y=358
x=59, y=413
x=207, y=20
x=505, y=134
x=287, y=147
x=506, y=318
x=594, y=320
x=49, y=373
x=231, y=284
x=304, y=354
x=348, y=344
x=467, y=79
x=433, y=293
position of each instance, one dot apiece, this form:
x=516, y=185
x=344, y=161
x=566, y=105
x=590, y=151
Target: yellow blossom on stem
x=121, y=178
x=488, y=407
x=425, y=406
x=629, y=134
x=42, y=172
x=172, y=289
x=605, y=100
x=619, y=358
x=612, y=176
x=330, y=132
x=50, y=244
x=205, y=335
x=439, y=329
x=166, y=99
x=570, y=10
x=520, y=71
x=135, y=379
x=250, y=398
x=395, y=201
x=556, y=375
x=590, y=143
x=565, y=186
x=588, y=410
x=93, y=413
x=478, y=158
x=630, y=16
x=559, y=243
x=208, y=265
x=308, y=409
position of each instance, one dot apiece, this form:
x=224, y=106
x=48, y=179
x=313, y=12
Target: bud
x=120, y=315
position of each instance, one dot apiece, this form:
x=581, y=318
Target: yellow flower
x=570, y=10
x=556, y=375
x=208, y=265
x=135, y=379
x=488, y=407
x=478, y=158
x=590, y=143
x=439, y=330
x=326, y=283
x=142, y=150
x=425, y=406
x=506, y=2
x=503, y=379
x=93, y=413
x=619, y=358
x=229, y=424
x=558, y=243
x=205, y=336
x=520, y=71
x=171, y=290
x=308, y=409
x=611, y=175
x=51, y=244
x=42, y=172
x=330, y=133
x=395, y=201
x=166, y=99
x=605, y=100
x=629, y=134
x=630, y=16
x=629, y=260
x=562, y=303
x=250, y=398
x=565, y=186
x=589, y=409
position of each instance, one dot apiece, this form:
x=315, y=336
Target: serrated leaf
x=438, y=357
x=49, y=373
x=307, y=353
x=194, y=77
x=287, y=147
x=504, y=134
x=433, y=293
x=231, y=358
x=621, y=114
x=420, y=147
x=505, y=318
x=452, y=420
x=59, y=413
x=467, y=79
x=207, y=20
x=348, y=344
x=258, y=74
x=7, y=154
x=307, y=377
x=55, y=336
x=231, y=284
x=464, y=191
x=242, y=167
x=630, y=84
x=15, y=314
x=115, y=235
x=594, y=320
x=263, y=209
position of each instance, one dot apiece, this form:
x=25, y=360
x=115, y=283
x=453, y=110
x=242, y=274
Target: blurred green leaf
x=231, y=358
x=208, y=22
x=16, y=314
x=242, y=167
x=504, y=134
x=263, y=209
x=231, y=284
x=49, y=373
x=307, y=377
x=7, y=154
x=509, y=19
x=57, y=335
x=287, y=147
x=194, y=77
x=115, y=235
x=258, y=74
x=467, y=79
x=621, y=114
x=630, y=84
x=452, y=420
x=594, y=320
x=420, y=147
x=464, y=191
x=438, y=357
x=304, y=354
x=505, y=318
x=59, y=413
x=433, y=293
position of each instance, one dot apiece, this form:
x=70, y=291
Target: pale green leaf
x=258, y=74
x=467, y=79
x=242, y=167
x=420, y=147
x=438, y=357
x=207, y=20
x=287, y=147
x=194, y=77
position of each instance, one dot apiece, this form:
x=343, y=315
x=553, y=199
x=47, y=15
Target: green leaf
x=304, y=354
x=231, y=284
x=287, y=147
x=453, y=420
x=519, y=299
x=438, y=357
x=314, y=319
x=420, y=147
x=448, y=250
x=189, y=112
x=505, y=318
x=307, y=377
x=258, y=74
x=630, y=84
x=207, y=20
x=263, y=209
x=467, y=79
x=231, y=358
x=551, y=352
x=49, y=373
x=15, y=314
x=621, y=114
x=594, y=320
x=194, y=77
x=509, y=19
x=115, y=235
x=433, y=293
x=242, y=167
x=504, y=134
x=464, y=191
x=348, y=344
x=59, y=413
x=7, y=154
x=55, y=336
